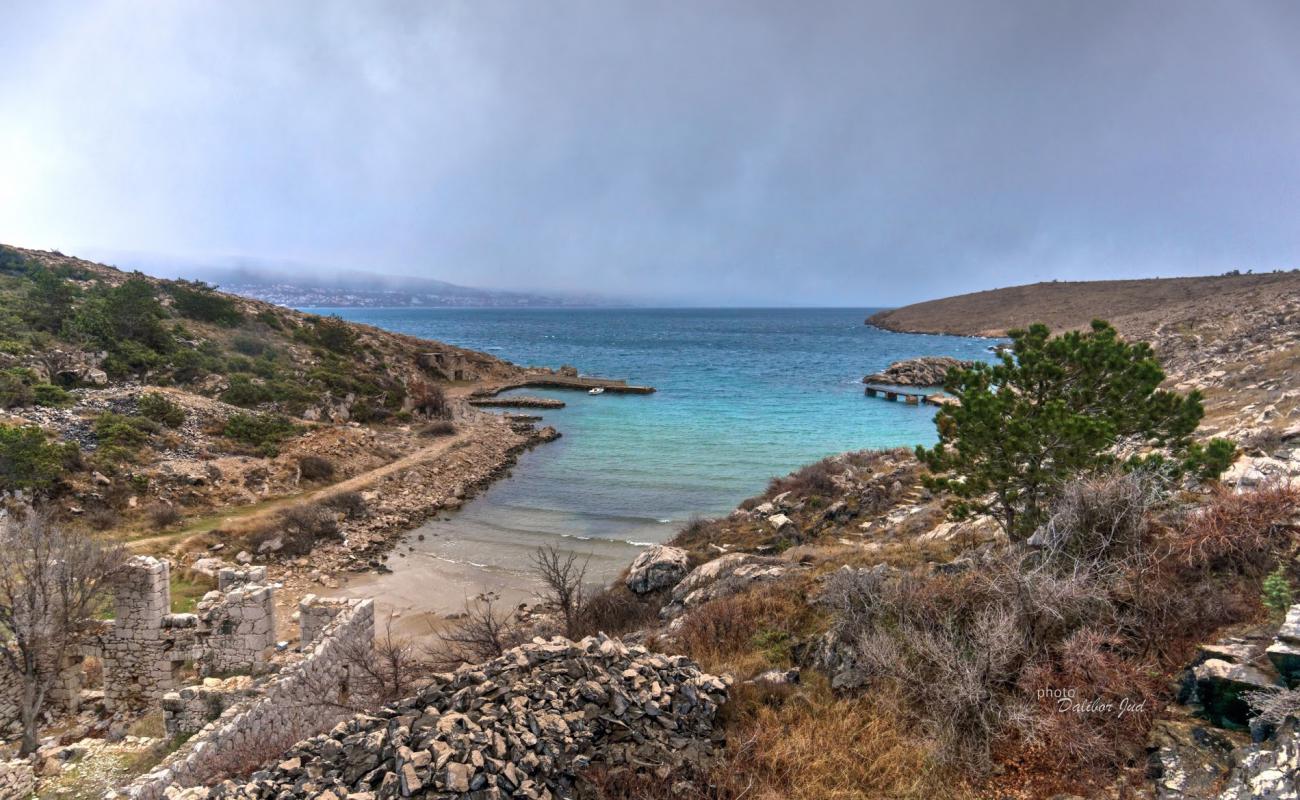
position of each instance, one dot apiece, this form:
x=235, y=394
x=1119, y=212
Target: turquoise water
x=743, y=395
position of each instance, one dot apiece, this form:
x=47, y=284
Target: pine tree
x=1052, y=408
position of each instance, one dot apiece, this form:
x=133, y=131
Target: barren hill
x=1135, y=307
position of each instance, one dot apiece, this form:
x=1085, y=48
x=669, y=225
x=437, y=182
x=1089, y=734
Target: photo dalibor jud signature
x=1068, y=702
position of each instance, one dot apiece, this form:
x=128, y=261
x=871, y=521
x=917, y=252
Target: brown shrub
x=351, y=504
x=750, y=631
x=814, y=479
x=1094, y=707
x=801, y=744
x=162, y=515
x=298, y=529
x=1237, y=533
x=438, y=428
x=102, y=518
x=315, y=468
x=616, y=610
x=430, y=400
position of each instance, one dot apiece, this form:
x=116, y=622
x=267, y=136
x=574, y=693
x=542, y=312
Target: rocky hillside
x=1134, y=307
x=1236, y=338
x=138, y=405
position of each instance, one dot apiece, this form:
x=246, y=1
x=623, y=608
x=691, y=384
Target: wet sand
x=446, y=562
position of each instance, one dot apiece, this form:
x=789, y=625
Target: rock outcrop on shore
x=923, y=371
x=525, y=724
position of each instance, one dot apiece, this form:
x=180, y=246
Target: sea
x=742, y=395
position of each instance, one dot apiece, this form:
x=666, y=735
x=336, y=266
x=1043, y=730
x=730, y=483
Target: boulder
x=1188, y=758
x=781, y=523
x=658, y=567
x=1220, y=689
x=722, y=577
x=1268, y=770
x=923, y=371
x=1285, y=650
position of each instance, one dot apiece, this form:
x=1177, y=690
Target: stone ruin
x=145, y=649
x=451, y=365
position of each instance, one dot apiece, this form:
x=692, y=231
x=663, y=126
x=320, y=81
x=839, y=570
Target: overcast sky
x=855, y=153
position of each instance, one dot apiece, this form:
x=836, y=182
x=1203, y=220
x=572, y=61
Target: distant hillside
x=297, y=285
x=1136, y=307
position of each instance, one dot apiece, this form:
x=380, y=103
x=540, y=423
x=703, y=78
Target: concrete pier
x=912, y=396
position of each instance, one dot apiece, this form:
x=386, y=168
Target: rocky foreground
x=521, y=725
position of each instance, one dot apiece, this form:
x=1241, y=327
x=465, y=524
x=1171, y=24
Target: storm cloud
x=855, y=153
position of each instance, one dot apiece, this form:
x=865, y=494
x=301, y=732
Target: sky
x=700, y=151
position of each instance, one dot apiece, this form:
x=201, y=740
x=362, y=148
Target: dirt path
x=245, y=517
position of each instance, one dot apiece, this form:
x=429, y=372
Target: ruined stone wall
x=17, y=779
x=139, y=659
x=239, y=624
x=145, y=646
x=301, y=702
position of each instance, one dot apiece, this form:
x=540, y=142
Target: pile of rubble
x=522, y=725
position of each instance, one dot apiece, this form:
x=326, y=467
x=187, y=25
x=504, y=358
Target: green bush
x=243, y=392
x=1277, y=595
x=16, y=388
x=1051, y=409
x=50, y=299
x=189, y=365
x=125, y=316
x=334, y=334
x=12, y=261
x=47, y=394
x=29, y=461
x=263, y=431
x=249, y=344
x=159, y=408
x=197, y=300
x=123, y=431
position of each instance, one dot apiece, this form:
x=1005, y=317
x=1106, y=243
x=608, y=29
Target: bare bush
x=438, y=428
x=351, y=504
x=1237, y=533
x=163, y=515
x=103, y=518
x=1099, y=524
x=430, y=400
x=51, y=584
x=951, y=647
x=483, y=633
x=614, y=611
x=389, y=670
x=563, y=577
x=315, y=468
x=297, y=529
x=1274, y=707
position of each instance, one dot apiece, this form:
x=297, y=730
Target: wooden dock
x=912, y=396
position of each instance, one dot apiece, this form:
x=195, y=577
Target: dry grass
x=812, y=746
x=803, y=744
x=1238, y=533
x=751, y=631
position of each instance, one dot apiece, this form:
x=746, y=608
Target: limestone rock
x=923, y=371
x=722, y=577
x=656, y=568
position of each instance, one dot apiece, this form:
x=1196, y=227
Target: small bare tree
x=378, y=675
x=51, y=583
x=563, y=577
x=482, y=634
